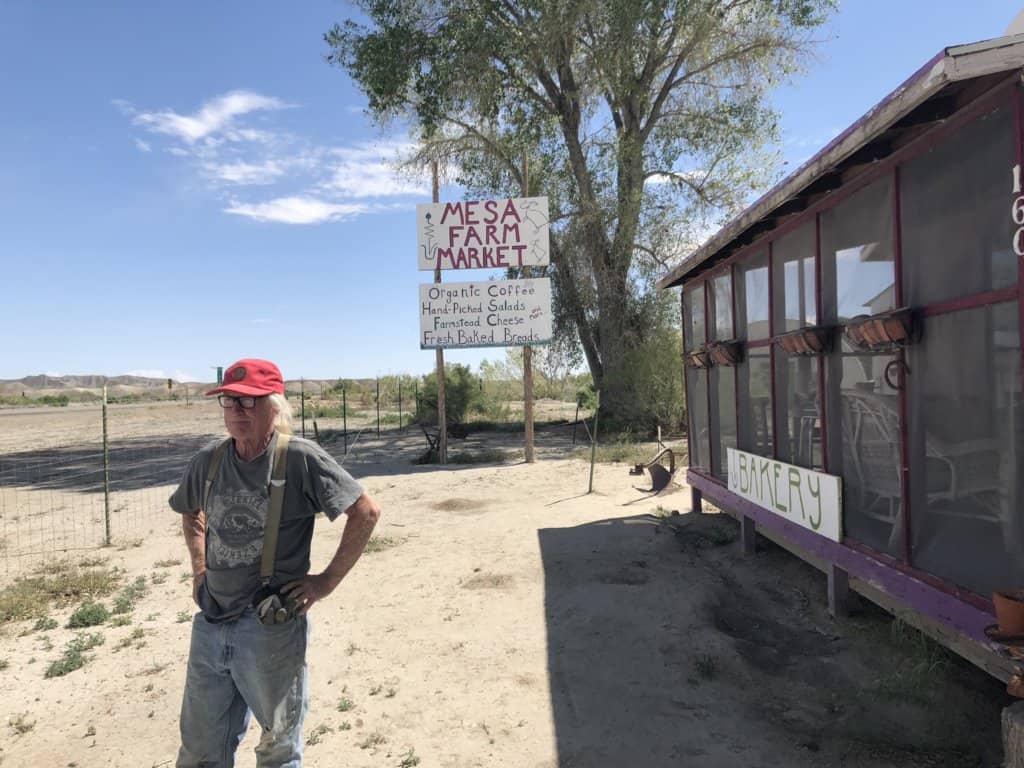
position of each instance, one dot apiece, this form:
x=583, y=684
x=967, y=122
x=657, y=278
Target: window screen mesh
x=966, y=448
x=752, y=297
x=754, y=395
x=721, y=307
x=955, y=211
x=793, y=279
x=858, y=273
x=798, y=425
x=723, y=417
x=697, y=393
x=693, y=316
x=864, y=445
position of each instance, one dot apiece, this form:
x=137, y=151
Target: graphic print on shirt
x=236, y=529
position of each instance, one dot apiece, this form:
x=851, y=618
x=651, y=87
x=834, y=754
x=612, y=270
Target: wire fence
x=86, y=476
x=91, y=475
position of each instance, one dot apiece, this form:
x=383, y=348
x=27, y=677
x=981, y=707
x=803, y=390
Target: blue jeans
x=236, y=667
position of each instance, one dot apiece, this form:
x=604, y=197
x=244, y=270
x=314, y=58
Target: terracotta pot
x=1009, y=605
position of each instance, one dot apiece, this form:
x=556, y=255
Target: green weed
x=32, y=597
x=88, y=614
x=129, y=595
x=74, y=654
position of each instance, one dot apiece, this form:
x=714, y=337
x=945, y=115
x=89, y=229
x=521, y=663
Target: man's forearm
x=193, y=525
x=361, y=518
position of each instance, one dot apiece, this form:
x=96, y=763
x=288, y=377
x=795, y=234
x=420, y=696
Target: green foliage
x=463, y=393
x=651, y=386
x=88, y=614
x=32, y=597
x=74, y=654
x=478, y=456
x=127, y=597
x=57, y=401
x=624, y=94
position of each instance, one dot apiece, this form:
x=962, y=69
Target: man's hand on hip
x=309, y=589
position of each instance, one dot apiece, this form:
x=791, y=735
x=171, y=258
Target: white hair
x=282, y=413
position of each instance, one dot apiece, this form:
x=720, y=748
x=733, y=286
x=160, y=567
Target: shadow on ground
x=133, y=464
x=667, y=648
x=145, y=462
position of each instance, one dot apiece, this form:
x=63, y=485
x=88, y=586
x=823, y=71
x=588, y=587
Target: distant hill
x=89, y=387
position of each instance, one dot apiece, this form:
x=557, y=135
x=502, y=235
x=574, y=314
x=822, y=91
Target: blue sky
x=183, y=184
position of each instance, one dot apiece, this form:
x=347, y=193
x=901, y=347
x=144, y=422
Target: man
x=248, y=649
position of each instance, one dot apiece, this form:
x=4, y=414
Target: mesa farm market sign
x=483, y=234
x=489, y=313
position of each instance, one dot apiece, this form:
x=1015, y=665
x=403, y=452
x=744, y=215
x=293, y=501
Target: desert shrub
x=88, y=614
x=31, y=597
x=650, y=387
x=462, y=395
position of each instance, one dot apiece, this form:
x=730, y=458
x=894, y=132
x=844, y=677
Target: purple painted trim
x=771, y=351
x=1018, y=153
x=735, y=368
x=922, y=597
x=819, y=320
x=970, y=302
x=708, y=289
x=897, y=253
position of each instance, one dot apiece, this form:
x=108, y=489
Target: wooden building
x=852, y=352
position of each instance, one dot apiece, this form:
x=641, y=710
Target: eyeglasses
x=244, y=401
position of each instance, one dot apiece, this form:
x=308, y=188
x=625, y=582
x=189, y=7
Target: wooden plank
x=838, y=591
x=1013, y=735
x=748, y=535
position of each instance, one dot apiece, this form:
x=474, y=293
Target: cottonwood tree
x=645, y=122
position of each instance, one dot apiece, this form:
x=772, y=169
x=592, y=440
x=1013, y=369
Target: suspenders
x=277, y=479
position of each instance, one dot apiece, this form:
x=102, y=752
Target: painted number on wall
x=1017, y=213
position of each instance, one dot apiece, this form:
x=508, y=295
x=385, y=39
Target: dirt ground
x=507, y=617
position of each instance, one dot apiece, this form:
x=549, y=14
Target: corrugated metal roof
x=949, y=66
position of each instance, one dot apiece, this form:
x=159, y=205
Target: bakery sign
x=810, y=499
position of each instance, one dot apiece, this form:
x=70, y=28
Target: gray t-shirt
x=238, y=504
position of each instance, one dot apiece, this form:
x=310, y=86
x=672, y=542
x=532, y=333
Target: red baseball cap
x=251, y=376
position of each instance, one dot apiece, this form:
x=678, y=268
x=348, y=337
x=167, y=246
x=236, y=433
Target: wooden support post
x=1013, y=735
x=838, y=591
x=442, y=417
x=527, y=354
x=748, y=535
x=696, y=500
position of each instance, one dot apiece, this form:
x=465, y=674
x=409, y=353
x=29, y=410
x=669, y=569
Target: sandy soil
x=511, y=618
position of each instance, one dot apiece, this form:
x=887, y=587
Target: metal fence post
x=344, y=418
x=399, y=403
x=593, y=444
x=106, y=474
x=302, y=395
x=378, y=406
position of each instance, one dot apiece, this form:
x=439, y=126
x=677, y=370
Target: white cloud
x=214, y=116
x=364, y=171
x=245, y=173
x=372, y=179
x=308, y=182
x=297, y=210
